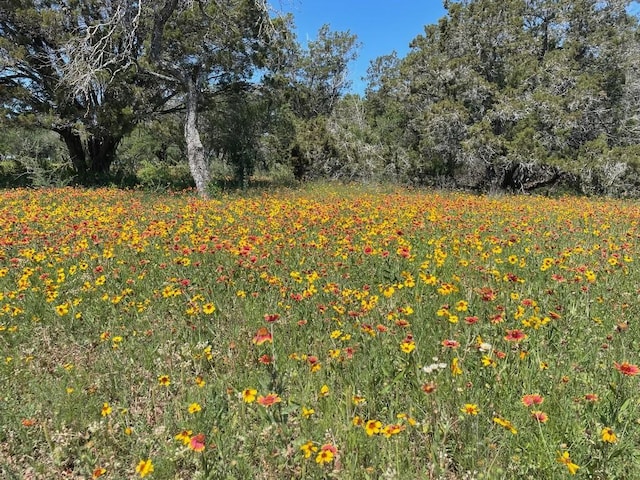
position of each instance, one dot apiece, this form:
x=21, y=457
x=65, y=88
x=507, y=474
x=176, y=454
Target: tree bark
x=195, y=150
x=76, y=153
x=91, y=159
x=101, y=151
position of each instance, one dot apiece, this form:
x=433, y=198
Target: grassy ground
x=324, y=333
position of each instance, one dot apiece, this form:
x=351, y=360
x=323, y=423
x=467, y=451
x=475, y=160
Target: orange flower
x=330, y=448
x=392, y=429
x=627, y=368
x=539, y=416
x=487, y=294
x=450, y=343
x=268, y=400
x=197, y=443
x=532, y=399
x=515, y=335
x=98, y=472
x=262, y=335
x=265, y=359
x=429, y=387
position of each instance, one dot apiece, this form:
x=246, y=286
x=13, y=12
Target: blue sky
x=381, y=26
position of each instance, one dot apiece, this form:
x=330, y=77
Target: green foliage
x=157, y=141
x=320, y=77
x=46, y=81
x=156, y=175
x=497, y=95
x=496, y=87
x=281, y=175
x=91, y=72
x=304, y=88
x=354, y=146
x=235, y=122
x=33, y=157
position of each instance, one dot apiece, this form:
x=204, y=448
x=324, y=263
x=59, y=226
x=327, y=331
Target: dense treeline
x=515, y=95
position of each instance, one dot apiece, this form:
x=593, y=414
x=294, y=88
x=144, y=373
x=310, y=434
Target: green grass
x=396, y=315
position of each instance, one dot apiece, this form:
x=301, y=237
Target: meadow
x=329, y=332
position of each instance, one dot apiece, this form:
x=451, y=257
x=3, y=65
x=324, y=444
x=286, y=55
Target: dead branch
x=106, y=49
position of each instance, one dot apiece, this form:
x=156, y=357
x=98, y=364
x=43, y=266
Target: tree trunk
x=195, y=150
x=91, y=159
x=73, y=141
x=101, y=151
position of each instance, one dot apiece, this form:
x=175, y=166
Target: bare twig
x=106, y=49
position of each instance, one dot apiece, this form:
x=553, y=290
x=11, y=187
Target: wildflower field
x=331, y=332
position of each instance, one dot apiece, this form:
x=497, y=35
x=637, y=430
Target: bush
x=164, y=176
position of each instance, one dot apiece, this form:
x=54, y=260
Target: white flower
x=434, y=367
x=430, y=368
